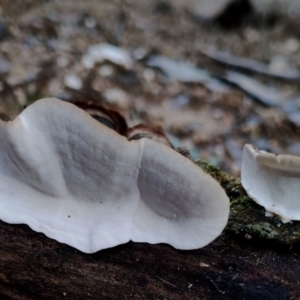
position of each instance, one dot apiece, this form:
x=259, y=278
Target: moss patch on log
x=246, y=216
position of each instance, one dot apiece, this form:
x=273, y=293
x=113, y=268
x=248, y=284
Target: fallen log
x=252, y=259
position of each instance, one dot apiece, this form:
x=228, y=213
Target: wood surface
x=33, y=266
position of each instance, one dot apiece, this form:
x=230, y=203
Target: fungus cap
x=272, y=181
x=79, y=182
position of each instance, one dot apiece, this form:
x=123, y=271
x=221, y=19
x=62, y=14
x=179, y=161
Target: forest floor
x=43, y=46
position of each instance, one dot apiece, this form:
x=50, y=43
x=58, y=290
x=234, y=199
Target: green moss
x=248, y=217
x=264, y=229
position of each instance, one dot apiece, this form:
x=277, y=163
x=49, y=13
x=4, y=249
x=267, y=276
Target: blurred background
x=213, y=74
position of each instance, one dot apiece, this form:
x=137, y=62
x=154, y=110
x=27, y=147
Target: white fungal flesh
x=82, y=184
x=273, y=181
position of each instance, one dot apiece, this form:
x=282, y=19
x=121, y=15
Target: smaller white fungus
x=273, y=181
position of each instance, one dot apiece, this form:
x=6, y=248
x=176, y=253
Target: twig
x=249, y=65
x=165, y=281
x=212, y=282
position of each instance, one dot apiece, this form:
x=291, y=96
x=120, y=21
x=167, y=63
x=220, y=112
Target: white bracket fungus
x=85, y=185
x=272, y=181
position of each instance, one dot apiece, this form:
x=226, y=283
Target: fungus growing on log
x=272, y=181
x=81, y=183
x=109, y=117
x=141, y=131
